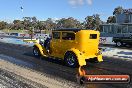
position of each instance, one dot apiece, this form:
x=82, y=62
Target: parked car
x=74, y=46
x=122, y=41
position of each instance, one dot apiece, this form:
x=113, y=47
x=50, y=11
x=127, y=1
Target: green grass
x=12, y=31
x=23, y=31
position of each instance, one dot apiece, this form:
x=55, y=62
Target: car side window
x=68, y=36
x=93, y=36
x=56, y=35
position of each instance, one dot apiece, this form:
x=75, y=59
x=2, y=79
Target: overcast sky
x=43, y=9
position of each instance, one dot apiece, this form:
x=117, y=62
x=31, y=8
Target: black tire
x=118, y=44
x=71, y=60
x=36, y=52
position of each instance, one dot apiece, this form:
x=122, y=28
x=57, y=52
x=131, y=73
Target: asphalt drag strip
x=61, y=76
x=14, y=76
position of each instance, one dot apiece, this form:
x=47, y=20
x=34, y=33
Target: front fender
x=80, y=56
x=41, y=49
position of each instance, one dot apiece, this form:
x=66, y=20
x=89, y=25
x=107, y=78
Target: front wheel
x=71, y=59
x=36, y=52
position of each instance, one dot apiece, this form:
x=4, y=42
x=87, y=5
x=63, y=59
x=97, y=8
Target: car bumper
x=82, y=60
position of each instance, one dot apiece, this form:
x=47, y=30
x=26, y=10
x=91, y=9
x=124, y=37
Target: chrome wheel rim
x=70, y=60
x=118, y=44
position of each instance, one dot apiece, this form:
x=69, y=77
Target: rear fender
x=41, y=49
x=80, y=57
x=99, y=57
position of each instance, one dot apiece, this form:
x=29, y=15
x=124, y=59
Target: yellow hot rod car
x=74, y=46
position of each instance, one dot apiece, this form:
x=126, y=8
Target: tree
x=118, y=10
x=31, y=32
x=92, y=22
x=9, y=25
x=41, y=25
x=111, y=19
x=89, y=22
x=97, y=21
x=68, y=23
x=30, y=24
x=27, y=22
x=17, y=24
x=49, y=24
x=3, y=25
x=34, y=19
x=34, y=22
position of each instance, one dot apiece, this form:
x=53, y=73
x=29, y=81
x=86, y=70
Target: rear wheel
x=36, y=52
x=118, y=44
x=71, y=59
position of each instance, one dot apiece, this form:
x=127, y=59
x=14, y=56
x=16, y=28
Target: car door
x=55, y=44
x=68, y=41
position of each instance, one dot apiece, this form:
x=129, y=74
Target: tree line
x=90, y=22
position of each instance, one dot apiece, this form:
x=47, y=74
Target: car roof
x=70, y=29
